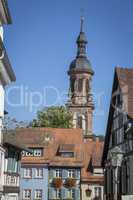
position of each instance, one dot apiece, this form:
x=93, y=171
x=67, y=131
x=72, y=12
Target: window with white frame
x=26, y=194
x=13, y=180
x=71, y=173
x=27, y=172
x=58, y=173
x=71, y=194
x=39, y=173
x=26, y=153
x=58, y=194
x=98, y=192
x=37, y=152
x=38, y=194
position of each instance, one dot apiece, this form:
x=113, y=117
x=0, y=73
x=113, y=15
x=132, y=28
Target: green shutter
x=51, y=193
x=13, y=164
x=64, y=173
x=51, y=173
x=63, y=193
x=77, y=174
x=11, y=160
x=77, y=194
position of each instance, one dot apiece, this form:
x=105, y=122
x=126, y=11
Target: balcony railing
x=11, y=180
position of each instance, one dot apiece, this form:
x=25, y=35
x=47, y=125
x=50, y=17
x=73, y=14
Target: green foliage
x=54, y=117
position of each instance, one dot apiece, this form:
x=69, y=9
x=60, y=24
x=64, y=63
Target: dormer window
x=35, y=152
x=67, y=154
x=66, y=150
x=98, y=171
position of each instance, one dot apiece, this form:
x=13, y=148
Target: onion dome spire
x=81, y=41
x=81, y=62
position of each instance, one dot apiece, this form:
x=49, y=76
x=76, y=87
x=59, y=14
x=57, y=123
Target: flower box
x=57, y=182
x=70, y=182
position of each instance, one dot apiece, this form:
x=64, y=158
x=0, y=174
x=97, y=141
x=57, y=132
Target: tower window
x=80, y=85
x=87, y=86
x=79, y=122
x=72, y=85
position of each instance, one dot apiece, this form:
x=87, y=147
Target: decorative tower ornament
x=80, y=102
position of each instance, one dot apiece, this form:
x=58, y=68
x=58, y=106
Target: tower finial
x=82, y=23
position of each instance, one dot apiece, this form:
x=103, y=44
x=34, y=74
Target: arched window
x=80, y=85
x=79, y=122
x=72, y=85
x=87, y=86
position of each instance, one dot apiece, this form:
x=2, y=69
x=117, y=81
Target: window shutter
x=77, y=174
x=105, y=182
x=77, y=194
x=51, y=173
x=124, y=180
x=63, y=193
x=119, y=179
x=51, y=193
x=13, y=164
x=107, y=186
x=108, y=181
x=18, y=166
x=111, y=180
x=64, y=173
x=9, y=164
x=131, y=174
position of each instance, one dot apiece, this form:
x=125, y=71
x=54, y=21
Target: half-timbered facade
x=118, y=148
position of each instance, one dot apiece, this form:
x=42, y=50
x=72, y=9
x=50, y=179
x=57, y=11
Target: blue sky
x=41, y=45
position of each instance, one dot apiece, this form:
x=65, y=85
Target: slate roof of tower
x=81, y=62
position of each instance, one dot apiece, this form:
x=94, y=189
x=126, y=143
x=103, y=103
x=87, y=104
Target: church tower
x=80, y=102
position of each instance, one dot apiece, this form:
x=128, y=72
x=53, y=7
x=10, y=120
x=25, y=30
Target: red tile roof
x=125, y=79
x=84, y=149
